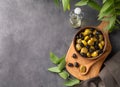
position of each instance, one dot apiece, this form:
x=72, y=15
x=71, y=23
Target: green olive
x=78, y=47
x=82, y=33
x=78, y=41
x=86, y=38
x=94, y=54
x=87, y=32
x=82, y=69
x=90, y=42
x=100, y=37
x=84, y=50
x=92, y=47
x=88, y=54
x=103, y=43
x=95, y=39
x=100, y=45
x=94, y=32
x=84, y=42
x=92, y=39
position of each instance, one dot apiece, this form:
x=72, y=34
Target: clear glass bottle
x=75, y=17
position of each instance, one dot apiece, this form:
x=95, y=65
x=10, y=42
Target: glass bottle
x=75, y=17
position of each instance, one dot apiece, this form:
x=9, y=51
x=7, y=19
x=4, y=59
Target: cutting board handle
x=103, y=25
x=92, y=66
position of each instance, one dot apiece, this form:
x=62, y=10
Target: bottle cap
x=77, y=10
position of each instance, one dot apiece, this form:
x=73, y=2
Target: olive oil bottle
x=75, y=17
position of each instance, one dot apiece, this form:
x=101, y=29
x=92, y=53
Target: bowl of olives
x=90, y=43
x=88, y=50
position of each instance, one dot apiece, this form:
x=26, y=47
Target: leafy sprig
x=61, y=71
x=93, y=4
x=56, y=2
x=108, y=11
x=72, y=82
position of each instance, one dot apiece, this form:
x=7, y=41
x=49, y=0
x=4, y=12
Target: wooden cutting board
x=93, y=66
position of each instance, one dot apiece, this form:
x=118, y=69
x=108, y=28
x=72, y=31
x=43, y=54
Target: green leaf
x=94, y=5
x=72, y=82
x=64, y=74
x=112, y=28
x=115, y=27
x=118, y=21
x=117, y=12
x=105, y=19
x=54, y=59
x=117, y=4
x=56, y=2
x=117, y=1
x=81, y=3
x=68, y=7
x=111, y=22
x=106, y=5
x=66, y=4
x=104, y=1
x=107, y=13
x=54, y=69
x=62, y=58
x=61, y=66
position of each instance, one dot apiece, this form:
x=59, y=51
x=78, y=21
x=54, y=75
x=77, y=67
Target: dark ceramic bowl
x=89, y=27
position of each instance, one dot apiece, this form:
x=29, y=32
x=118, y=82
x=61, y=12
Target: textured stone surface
x=29, y=30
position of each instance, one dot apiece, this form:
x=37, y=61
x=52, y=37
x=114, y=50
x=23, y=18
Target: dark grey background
x=29, y=30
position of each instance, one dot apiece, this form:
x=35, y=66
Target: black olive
x=77, y=37
x=91, y=50
x=96, y=47
x=74, y=55
x=91, y=35
x=81, y=44
x=76, y=64
x=81, y=36
x=70, y=65
x=98, y=32
x=97, y=36
x=88, y=46
x=100, y=51
x=96, y=43
x=83, y=54
x=92, y=29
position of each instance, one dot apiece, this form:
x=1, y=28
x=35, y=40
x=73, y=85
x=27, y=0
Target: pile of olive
x=89, y=42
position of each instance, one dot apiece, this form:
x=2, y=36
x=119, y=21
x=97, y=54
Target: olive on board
x=82, y=69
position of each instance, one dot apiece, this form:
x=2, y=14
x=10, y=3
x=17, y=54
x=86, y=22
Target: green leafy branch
x=61, y=71
x=93, y=4
x=108, y=11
